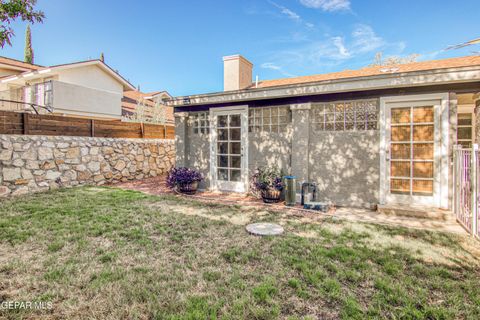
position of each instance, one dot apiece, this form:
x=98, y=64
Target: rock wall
x=37, y=163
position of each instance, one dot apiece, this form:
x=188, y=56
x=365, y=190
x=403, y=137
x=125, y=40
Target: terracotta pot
x=271, y=195
x=188, y=188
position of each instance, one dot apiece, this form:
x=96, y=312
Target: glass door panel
x=412, y=151
x=229, y=147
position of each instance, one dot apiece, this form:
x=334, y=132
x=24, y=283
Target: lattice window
x=200, y=122
x=346, y=115
x=271, y=119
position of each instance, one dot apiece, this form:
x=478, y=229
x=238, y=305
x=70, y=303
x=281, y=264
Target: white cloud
x=340, y=45
x=291, y=14
x=273, y=66
x=329, y=53
x=365, y=39
x=327, y=5
x=284, y=10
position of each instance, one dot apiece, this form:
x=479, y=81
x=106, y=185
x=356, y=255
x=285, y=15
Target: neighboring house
x=87, y=88
x=378, y=135
x=147, y=107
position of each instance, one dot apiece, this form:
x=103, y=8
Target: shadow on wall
x=198, y=154
x=270, y=148
x=345, y=166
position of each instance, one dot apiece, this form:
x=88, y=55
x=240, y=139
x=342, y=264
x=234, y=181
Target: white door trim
x=243, y=110
x=441, y=106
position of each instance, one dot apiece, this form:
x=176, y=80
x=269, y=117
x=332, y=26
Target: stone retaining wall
x=37, y=163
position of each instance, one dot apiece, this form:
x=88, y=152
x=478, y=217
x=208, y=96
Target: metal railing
x=466, y=175
x=33, y=98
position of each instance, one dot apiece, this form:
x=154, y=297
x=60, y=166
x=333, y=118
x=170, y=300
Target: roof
x=415, y=74
x=44, y=70
x=162, y=94
x=17, y=64
x=373, y=71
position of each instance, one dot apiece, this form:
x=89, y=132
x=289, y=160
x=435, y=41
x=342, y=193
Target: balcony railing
x=37, y=98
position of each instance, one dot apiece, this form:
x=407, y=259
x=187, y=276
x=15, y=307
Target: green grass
x=110, y=253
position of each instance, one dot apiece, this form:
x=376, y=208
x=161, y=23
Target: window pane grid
x=465, y=129
x=345, y=115
x=268, y=119
x=200, y=122
x=412, y=151
x=229, y=147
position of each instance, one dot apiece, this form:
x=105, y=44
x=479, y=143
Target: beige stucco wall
x=79, y=100
x=345, y=166
x=91, y=77
x=237, y=73
x=198, y=154
x=270, y=148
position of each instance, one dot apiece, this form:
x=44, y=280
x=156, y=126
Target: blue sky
x=178, y=45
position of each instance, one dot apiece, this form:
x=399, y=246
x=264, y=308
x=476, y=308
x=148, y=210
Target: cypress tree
x=28, y=46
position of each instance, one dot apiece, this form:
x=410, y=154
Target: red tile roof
x=19, y=64
x=377, y=70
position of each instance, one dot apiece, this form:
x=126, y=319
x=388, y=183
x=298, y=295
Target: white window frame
x=196, y=122
x=216, y=185
x=466, y=108
x=442, y=128
x=355, y=122
x=280, y=125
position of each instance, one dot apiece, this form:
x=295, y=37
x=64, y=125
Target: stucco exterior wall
x=269, y=148
x=237, y=73
x=345, y=166
x=198, y=155
x=79, y=100
x=91, y=77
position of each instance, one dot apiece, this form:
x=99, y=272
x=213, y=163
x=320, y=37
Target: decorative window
x=346, y=115
x=48, y=93
x=200, y=122
x=271, y=119
x=465, y=129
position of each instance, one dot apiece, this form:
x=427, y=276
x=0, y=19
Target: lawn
x=105, y=253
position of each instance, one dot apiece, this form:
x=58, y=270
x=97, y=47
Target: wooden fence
x=32, y=124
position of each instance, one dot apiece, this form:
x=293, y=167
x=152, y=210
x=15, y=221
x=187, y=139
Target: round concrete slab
x=265, y=229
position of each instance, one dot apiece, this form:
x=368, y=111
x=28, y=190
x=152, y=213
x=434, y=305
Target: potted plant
x=184, y=180
x=268, y=182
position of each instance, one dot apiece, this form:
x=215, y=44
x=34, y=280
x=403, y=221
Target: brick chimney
x=237, y=73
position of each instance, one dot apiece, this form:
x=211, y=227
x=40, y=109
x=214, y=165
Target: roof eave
x=384, y=81
x=36, y=73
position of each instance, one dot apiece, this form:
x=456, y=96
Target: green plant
x=269, y=177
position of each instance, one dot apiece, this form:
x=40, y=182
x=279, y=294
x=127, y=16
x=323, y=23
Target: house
x=147, y=107
x=86, y=89
x=378, y=135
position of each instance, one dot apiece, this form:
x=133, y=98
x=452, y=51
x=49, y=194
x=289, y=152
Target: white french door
x=228, y=148
x=414, y=134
